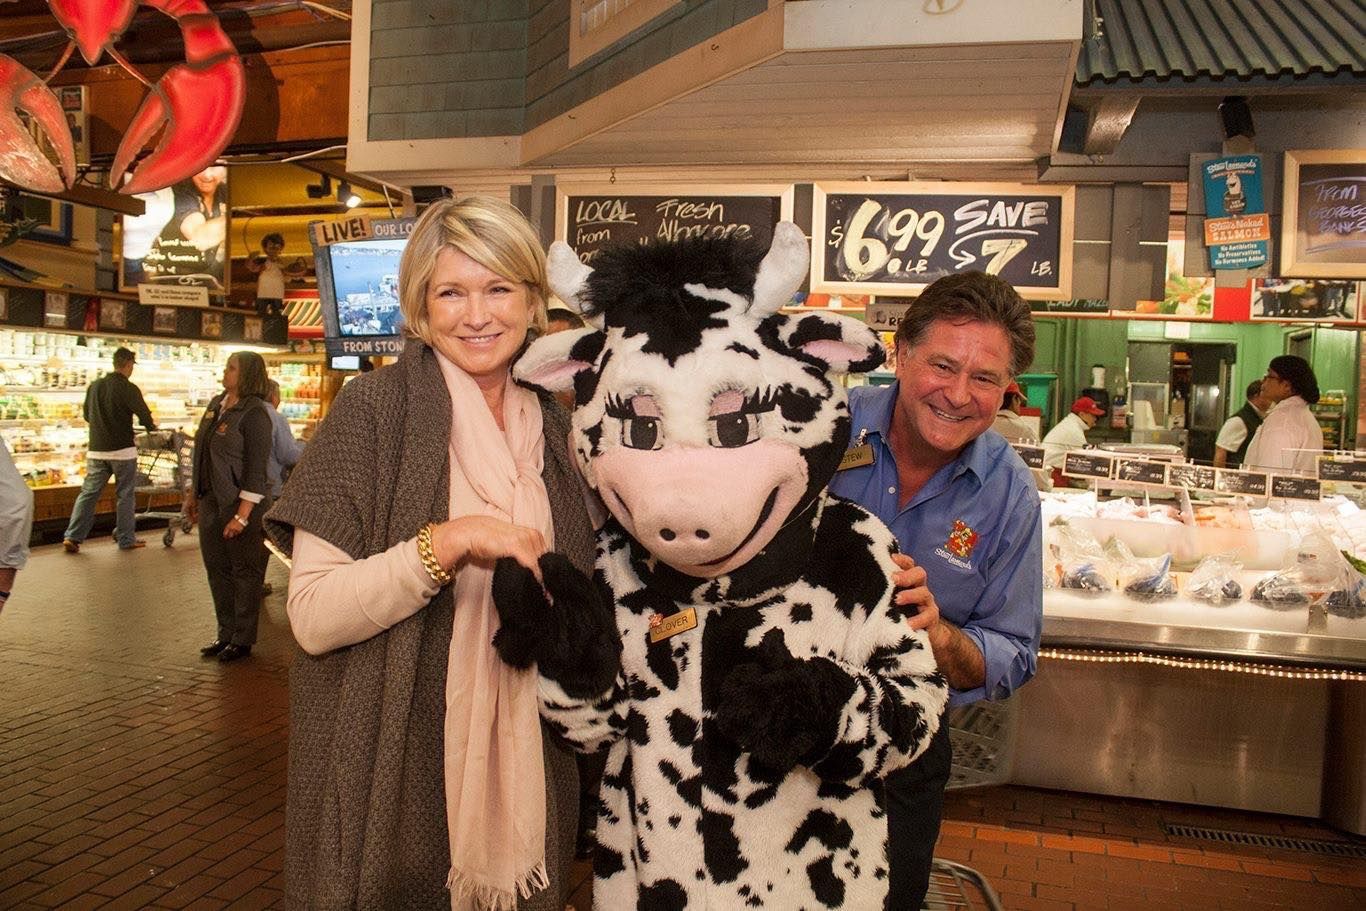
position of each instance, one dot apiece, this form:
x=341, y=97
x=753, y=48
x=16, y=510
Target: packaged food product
x=1149, y=579
x=1215, y=580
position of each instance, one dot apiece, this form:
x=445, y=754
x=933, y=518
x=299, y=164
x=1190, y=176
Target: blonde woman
x=420, y=774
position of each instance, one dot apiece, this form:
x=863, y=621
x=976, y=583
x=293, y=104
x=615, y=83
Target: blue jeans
x=97, y=472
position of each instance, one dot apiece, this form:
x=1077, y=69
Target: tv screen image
x=365, y=282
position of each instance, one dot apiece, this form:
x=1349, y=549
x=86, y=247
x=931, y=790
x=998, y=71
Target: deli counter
x=1214, y=654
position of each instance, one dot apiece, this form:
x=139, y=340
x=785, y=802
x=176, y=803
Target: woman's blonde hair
x=489, y=231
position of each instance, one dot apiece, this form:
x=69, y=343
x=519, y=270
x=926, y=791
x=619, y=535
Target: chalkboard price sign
x=1032, y=455
x=1334, y=469
x=1142, y=471
x=591, y=217
x=1192, y=477
x=1290, y=487
x=896, y=238
x=1252, y=483
x=1323, y=229
x=1085, y=465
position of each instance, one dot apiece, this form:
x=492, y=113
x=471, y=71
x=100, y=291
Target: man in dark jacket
x=1231, y=445
x=111, y=402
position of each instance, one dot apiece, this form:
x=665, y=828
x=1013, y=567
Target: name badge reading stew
x=662, y=627
x=856, y=457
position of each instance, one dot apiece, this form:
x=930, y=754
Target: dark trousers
x=915, y=805
x=236, y=568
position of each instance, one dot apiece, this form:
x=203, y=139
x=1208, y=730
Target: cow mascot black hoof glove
x=739, y=647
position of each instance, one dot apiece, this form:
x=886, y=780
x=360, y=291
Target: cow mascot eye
x=640, y=433
x=736, y=428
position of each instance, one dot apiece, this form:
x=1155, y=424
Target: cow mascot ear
x=552, y=361
x=838, y=344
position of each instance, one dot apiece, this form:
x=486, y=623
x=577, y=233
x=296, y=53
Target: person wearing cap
x=965, y=509
x=1008, y=423
x=1069, y=433
x=111, y=403
x=1230, y=447
x=1290, y=439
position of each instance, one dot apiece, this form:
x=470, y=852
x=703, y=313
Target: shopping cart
x=164, y=466
x=983, y=737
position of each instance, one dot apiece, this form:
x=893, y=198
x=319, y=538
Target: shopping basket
x=164, y=466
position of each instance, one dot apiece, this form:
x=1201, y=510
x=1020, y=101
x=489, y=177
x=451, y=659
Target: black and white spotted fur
x=746, y=754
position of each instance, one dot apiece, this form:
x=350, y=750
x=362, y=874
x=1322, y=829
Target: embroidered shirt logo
x=961, y=540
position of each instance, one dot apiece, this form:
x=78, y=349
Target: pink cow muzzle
x=703, y=510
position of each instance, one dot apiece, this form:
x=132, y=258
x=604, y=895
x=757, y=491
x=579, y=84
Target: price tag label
x=1085, y=465
x=1141, y=471
x=1292, y=488
x=1334, y=468
x=1252, y=483
x=1032, y=455
x=1192, y=477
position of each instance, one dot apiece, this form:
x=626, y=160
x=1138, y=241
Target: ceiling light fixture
x=347, y=196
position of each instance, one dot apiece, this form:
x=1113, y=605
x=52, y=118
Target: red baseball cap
x=1014, y=389
x=1087, y=405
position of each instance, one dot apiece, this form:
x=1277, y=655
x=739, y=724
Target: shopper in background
x=558, y=319
x=417, y=758
x=964, y=507
x=1290, y=439
x=1007, y=422
x=229, y=495
x=284, y=449
x=1069, y=433
x=1235, y=436
x=16, y=522
x=111, y=403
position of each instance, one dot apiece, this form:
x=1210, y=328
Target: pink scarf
x=495, y=776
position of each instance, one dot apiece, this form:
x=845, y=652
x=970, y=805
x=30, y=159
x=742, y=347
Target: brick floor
x=134, y=774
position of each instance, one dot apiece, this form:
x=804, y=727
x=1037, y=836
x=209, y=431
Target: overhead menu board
x=1323, y=229
x=896, y=238
x=590, y=217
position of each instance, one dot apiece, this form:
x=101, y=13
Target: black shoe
x=232, y=652
x=213, y=648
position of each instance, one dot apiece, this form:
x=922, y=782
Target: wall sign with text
x=896, y=238
x=590, y=217
x=1323, y=227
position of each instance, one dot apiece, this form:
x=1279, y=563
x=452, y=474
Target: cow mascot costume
x=739, y=648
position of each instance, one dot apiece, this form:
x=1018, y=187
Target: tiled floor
x=135, y=774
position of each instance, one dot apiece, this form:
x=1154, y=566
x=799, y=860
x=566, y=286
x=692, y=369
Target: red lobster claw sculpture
x=199, y=101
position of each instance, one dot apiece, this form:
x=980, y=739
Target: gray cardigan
x=366, y=807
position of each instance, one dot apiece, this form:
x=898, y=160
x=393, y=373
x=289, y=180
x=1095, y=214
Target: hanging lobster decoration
x=199, y=102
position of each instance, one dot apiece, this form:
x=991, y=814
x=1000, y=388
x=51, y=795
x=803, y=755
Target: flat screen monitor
x=346, y=362
x=365, y=286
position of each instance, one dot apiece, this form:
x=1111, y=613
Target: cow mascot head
x=739, y=647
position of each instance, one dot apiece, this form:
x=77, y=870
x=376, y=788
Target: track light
x=320, y=190
x=347, y=196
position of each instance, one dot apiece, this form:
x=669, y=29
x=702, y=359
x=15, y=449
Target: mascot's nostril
x=667, y=534
x=703, y=534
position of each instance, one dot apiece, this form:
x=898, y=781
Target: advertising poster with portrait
x=182, y=238
x=1297, y=299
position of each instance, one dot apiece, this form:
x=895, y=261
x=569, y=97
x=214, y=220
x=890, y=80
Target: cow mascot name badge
x=738, y=648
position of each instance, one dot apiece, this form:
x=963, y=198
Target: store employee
x=964, y=506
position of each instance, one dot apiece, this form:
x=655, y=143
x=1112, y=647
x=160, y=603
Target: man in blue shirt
x=965, y=508
x=284, y=449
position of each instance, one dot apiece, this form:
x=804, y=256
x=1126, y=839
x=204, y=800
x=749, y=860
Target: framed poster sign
x=590, y=217
x=1323, y=228
x=896, y=238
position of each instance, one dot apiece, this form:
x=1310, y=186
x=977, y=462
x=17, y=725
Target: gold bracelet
x=428, y=556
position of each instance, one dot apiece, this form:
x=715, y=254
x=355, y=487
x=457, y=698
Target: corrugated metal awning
x=305, y=315
x=1186, y=39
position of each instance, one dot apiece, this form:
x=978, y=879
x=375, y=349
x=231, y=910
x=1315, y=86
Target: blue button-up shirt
x=976, y=530
x=284, y=451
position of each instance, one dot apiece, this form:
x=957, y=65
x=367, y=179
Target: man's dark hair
x=973, y=297
x=273, y=237
x=1254, y=389
x=123, y=357
x=1296, y=371
x=563, y=315
x=251, y=374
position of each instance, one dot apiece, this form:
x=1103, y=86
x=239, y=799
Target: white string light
x=1201, y=664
